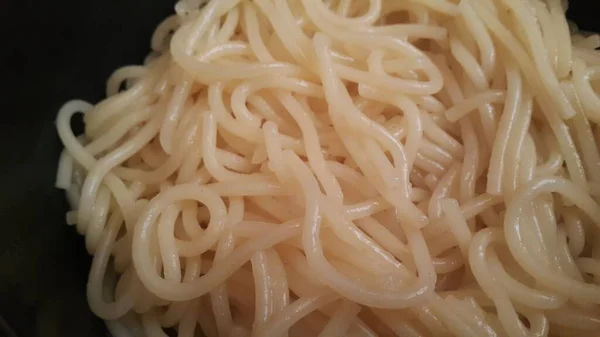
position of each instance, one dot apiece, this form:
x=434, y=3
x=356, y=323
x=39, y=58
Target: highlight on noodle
x=345, y=168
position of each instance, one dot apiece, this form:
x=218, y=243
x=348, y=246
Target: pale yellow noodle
x=314, y=168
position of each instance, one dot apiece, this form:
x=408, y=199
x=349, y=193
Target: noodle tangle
x=345, y=168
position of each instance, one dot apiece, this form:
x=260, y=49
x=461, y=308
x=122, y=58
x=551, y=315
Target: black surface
x=52, y=51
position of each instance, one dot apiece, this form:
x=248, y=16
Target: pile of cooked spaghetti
x=345, y=168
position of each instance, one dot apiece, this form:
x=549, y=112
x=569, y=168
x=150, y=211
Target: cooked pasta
x=345, y=168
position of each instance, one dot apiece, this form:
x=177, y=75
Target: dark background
x=50, y=52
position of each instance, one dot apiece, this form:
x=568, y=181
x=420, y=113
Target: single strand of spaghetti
x=464, y=107
x=443, y=189
x=575, y=231
x=205, y=318
x=219, y=296
x=441, y=6
x=166, y=242
x=190, y=220
x=563, y=37
x=587, y=97
x=585, y=136
x=496, y=171
x=521, y=165
x=280, y=286
x=517, y=142
x=174, y=110
x=187, y=324
x=340, y=322
x=65, y=171
x=468, y=62
x=188, y=170
x=366, y=208
x=234, y=161
x=430, y=103
x=457, y=224
x=545, y=224
x=94, y=229
x=252, y=186
x=122, y=305
x=263, y=306
x=470, y=161
x=121, y=75
x=565, y=260
x=487, y=51
x=159, y=39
